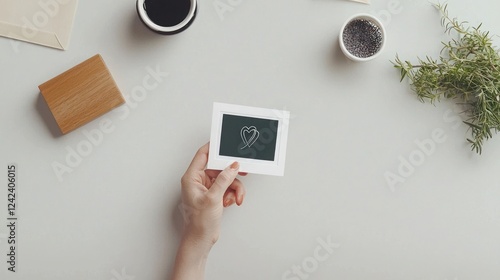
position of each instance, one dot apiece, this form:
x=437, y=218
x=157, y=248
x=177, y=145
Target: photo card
x=255, y=137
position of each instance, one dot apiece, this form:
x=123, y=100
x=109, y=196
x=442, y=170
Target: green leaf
x=468, y=69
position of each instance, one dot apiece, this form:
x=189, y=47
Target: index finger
x=200, y=159
x=214, y=173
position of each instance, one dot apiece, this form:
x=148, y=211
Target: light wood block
x=81, y=94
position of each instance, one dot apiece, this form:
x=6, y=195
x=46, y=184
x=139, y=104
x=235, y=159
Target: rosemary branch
x=467, y=69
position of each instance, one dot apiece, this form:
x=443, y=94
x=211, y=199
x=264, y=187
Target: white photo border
x=256, y=166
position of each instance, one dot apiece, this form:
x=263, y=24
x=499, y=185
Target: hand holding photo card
x=255, y=137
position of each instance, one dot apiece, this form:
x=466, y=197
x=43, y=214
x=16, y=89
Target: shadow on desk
x=43, y=110
x=337, y=57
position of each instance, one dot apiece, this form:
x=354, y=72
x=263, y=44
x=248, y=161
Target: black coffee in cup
x=167, y=16
x=167, y=12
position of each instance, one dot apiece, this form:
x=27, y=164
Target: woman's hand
x=205, y=193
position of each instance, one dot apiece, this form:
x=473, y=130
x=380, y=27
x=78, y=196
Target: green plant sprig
x=467, y=70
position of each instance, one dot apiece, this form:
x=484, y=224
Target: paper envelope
x=43, y=22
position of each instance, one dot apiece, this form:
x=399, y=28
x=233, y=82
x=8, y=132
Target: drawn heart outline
x=253, y=134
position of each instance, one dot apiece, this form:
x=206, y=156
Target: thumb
x=225, y=179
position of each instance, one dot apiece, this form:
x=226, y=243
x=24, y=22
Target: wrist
x=198, y=238
x=191, y=257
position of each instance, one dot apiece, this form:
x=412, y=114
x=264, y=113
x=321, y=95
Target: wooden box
x=81, y=94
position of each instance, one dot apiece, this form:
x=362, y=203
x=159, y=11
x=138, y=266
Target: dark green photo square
x=248, y=137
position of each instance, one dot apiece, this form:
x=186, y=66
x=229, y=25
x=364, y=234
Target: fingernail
x=235, y=166
x=228, y=202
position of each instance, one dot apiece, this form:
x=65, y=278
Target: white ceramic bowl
x=166, y=30
x=370, y=18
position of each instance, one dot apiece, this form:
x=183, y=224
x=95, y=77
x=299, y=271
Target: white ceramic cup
x=373, y=20
x=166, y=30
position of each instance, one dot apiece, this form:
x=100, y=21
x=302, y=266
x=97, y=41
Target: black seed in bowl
x=362, y=38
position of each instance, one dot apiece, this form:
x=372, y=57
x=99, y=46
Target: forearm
x=191, y=259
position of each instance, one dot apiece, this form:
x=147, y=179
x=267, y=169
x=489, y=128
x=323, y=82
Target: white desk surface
x=116, y=216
